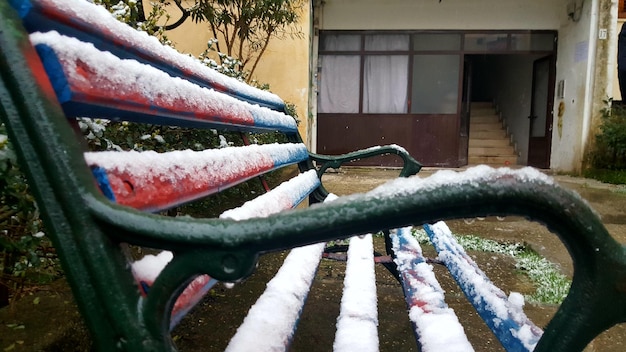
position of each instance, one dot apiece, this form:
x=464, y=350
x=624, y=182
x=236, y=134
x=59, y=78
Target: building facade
x=369, y=72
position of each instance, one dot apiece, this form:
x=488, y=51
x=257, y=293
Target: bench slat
x=437, y=327
x=154, y=181
x=357, y=324
x=148, y=268
x=141, y=93
x=286, y=196
x=504, y=316
x=95, y=24
x=271, y=321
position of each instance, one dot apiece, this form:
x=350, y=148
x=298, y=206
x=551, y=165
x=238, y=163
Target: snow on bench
x=96, y=25
x=504, y=315
x=357, y=324
x=437, y=327
x=136, y=91
x=153, y=181
x=286, y=196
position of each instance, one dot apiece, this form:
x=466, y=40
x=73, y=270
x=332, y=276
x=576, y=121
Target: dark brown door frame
x=541, y=112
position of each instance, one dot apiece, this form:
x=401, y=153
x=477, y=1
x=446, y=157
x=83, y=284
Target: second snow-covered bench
x=65, y=59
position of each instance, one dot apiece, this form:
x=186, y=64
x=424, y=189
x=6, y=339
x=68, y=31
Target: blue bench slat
x=89, y=82
x=504, y=316
x=93, y=23
x=153, y=181
x=425, y=298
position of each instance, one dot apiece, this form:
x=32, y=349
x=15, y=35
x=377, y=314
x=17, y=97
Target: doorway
x=518, y=85
x=541, y=113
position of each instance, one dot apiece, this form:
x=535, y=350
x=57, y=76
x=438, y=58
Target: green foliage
x=132, y=13
x=610, y=152
x=551, y=285
x=616, y=177
x=25, y=252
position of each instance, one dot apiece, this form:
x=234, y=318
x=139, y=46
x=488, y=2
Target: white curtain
x=385, y=76
x=339, y=84
x=385, y=84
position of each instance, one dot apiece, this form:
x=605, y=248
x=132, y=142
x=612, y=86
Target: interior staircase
x=488, y=140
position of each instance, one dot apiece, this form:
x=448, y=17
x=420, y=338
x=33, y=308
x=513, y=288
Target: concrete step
x=482, y=105
x=484, y=119
x=491, y=151
x=493, y=160
x=486, y=143
x=492, y=134
x=492, y=126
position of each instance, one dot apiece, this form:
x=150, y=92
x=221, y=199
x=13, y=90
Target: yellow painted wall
x=284, y=65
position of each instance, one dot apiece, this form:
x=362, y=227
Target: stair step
x=482, y=105
x=493, y=134
x=496, y=126
x=486, y=143
x=493, y=160
x=484, y=119
x=491, y=151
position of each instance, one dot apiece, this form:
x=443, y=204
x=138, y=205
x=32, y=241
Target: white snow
x=437, y=326
x=287, y=195
x=271, y=321
x=140, y=85
x=149, y=267
x=450, y=178
x=154, y=175
x=357, y=324
x=506, y=314
x=99, y=20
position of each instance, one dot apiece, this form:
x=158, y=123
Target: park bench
x=65, y=59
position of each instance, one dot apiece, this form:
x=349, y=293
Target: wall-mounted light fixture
x=575, y=10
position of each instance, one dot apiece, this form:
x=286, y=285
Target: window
x=407, y=72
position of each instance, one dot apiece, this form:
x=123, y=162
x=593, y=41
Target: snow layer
x=436, y=325
x=450, y=178
x=286, y=196
x=504, y=315
x=148, y=268
x=101, y=78
x=98, y=21
x=151, y=181
x=270, y=322
x=357, y=324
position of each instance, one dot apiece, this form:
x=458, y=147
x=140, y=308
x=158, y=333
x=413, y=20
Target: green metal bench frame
x=86, y=228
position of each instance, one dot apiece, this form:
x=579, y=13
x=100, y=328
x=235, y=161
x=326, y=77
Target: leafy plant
x=25, y=252
x=610, y=152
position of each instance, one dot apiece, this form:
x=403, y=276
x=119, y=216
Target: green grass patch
x=551, y=286
x=616, y=177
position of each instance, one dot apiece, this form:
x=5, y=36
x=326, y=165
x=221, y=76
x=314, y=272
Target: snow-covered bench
x=79, y=62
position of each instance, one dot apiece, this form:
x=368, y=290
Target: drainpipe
x=316, y=10
x=599, y=72
x=590, y=80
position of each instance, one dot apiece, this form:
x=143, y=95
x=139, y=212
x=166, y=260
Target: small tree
x=246, y=27
x=243, y=29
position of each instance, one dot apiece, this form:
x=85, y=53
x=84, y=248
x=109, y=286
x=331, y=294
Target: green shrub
x=610, y=150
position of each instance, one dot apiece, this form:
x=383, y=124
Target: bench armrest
x=410, y=168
